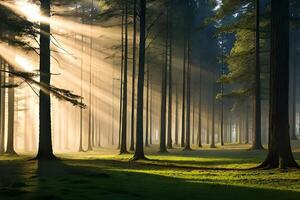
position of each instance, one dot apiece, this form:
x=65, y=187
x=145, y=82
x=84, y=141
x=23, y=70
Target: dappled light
x=143, y=99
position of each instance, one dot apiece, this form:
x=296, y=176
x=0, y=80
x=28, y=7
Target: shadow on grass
x=107, y=179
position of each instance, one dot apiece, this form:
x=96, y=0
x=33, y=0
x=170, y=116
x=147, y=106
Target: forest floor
x=207, y=174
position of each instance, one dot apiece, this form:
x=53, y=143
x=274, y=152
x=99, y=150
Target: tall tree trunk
x=176, y=117
x=121, y=76
x=151, y=111
x=162, y=146
x=147, y=106
x=222, y=92
x=200, y=110
x=123, y=147
x=212, y=143
x=183, y=89
x=188, y=96
x=45, y=151
x=98, y=105
x=133, y=75
x=2, y=107
x=279, y=151
x=247, y=123
x=80, y=149
x=207, y=121
x=193, y=126
x=240, y=128
x=256, y=143
x=139, y=150
x=169, y=27
x=293, y=82
x=11, y=117
x=90, y=110
x=113, y=114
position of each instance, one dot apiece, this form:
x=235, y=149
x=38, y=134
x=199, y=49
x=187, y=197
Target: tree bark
x=212, y=143
x=293, y=82
x=11, y=117
x=256, y=143
x=162, y=146
x=169, y=25
x=45, y=151
x=80, y=149
x=279, y=151
x=123, y=147
x=133, y=75
x=176, y=117
x=200, y=111
x=90, y=110
x=183, y=114
x=188, y=96
x=2, y=107
x=121, y=76
x=147, y=107
x=139, y=150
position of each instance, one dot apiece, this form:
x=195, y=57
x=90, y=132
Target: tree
x=139, y=149
x=256, y=143
x=176, y=116
x=45, y=151
x=212, y=142
x=183, y=114
x=188, y=95
x=200, y=110
x=123, y=147
x=164, y=77
x=169, y=27
x=11, y=118
x=244, y=68
x=2, y=107
x=279, y=151
x=147, y=105
x=133, y=74
x=91, y=131
x=20, y=31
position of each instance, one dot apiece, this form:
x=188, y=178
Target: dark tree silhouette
x=11, y=117
x=133, y=74
x=45, y=151
x=256, y=143
x=123, y=147
x=279, y=151
x=139, y=149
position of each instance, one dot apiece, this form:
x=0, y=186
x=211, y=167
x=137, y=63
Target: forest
x=149, y=99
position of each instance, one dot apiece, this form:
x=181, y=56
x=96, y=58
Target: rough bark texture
x=162, y=146
x=123, y=147
x=279, y=152
x=11, y=117
x=183, y=95
x=45, y=151
x=90, y=127
x=122, y=77
x=147, y=108
x=188, y=98
x=133, y=75
x=200, y=111
x=2, y=107
x=169, y=25
x=80, y=149
x=176, y=117
x=212, y=142
x=256, y=143
x=293, y=81
x=139, y=150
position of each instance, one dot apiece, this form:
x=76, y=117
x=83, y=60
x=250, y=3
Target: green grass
x=202, y=174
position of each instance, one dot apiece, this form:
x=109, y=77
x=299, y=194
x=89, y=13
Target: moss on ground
x=202, y=174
